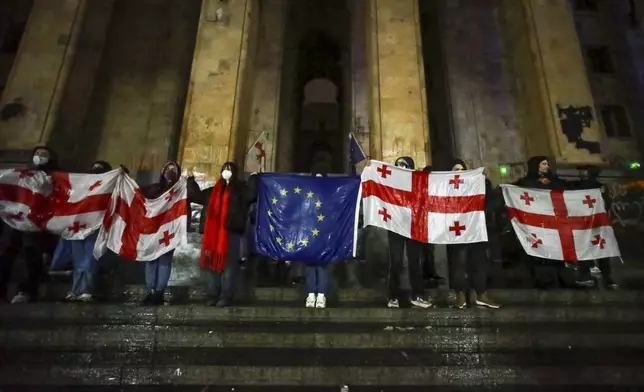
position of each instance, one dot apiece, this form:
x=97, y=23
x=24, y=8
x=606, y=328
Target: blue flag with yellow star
x=305, y=218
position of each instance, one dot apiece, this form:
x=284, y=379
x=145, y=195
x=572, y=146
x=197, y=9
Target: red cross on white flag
x=79, y=202
x=143, y=229
x=561, y=225
x=24, y=199
x=439, y=208
x=256, y=156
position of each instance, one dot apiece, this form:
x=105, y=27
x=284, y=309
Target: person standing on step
x=85, y=266
x=546, y=274
x=427, y=255
x=468, y=265
x=588, y=180
x=35, y=247
x=399, y=297
x=157, y=272
x=223, y=224
x=316, y=278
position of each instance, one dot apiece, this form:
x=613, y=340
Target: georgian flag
x=561, y=225
x=437, y=207
x=256, y=155
x=143, y=229
x=24, y=199
x=79, y=203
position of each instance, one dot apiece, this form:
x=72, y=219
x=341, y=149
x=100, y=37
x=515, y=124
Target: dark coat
x=533, y=179
x=155, y=190
x=241, y=197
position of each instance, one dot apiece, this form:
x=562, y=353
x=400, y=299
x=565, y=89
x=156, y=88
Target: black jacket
x=241, y=197
x=534, y=179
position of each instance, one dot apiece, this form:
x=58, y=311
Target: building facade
x=138, y=82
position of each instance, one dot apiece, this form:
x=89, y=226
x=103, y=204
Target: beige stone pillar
x=550, y=71
x=40, y=71
x=399, y=123
x=216, y=115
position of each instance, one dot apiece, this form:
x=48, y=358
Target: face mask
x=39, y=161
x=170, y=176
x=226, y=175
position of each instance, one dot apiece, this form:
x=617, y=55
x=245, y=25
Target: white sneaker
x=421, y=302
x=393, y=303
x=71, y=297
x=320, y=301
x=595, y=271
x=310, y=300
x=85, y=298
x=21, y=298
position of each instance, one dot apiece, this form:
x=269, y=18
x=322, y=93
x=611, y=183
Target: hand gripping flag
x=308, y=219
x=143, y=229
x=24, y=199
x=79, y=202
x=561, y=225
x=437, y=208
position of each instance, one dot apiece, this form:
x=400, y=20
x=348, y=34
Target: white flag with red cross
x=561, y=225
x=256, y=156
x=79, y=202
x=143, y=229
x=437, y=207
x=24, y=199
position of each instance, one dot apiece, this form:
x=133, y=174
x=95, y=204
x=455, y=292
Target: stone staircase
x=556, y=340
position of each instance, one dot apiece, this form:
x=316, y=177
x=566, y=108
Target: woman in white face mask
x=223, y=223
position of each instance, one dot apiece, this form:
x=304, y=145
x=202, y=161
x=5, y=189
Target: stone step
x=492, y=377
x=52, y=313
x=183, y=294
x=601, y=336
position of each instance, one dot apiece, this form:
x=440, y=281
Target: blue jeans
x=85, y=265
x=157, y=272
x=317, y=278
x=221, y=286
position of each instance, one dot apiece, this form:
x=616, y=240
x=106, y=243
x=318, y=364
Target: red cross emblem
x=535, y=241
x=137, y=223
x=25, y=173
x=421, y=203
x=590, y=202
x=599, y=241
x=384, y=171
x=76, y=227
x=385, y=216
x=167, y=237
x=456, y=181
x=262, y=153
x=457, y=228
x=564, y=224
x=526, y=198
x=171, y=195
x=95, y=185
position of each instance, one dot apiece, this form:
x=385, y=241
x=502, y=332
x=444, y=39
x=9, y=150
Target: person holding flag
x=223, y=224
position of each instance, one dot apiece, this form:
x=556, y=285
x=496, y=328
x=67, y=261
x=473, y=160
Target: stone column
x=40, y=71
x=218, y=102
x=550, y=73
x=399, y=123
x=267, y=78
x=360, y=74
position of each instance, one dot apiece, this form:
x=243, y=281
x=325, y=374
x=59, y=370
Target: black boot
x=159, y=297
x=149, y=298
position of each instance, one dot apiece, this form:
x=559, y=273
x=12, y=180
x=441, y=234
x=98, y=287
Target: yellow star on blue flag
x=306, y=218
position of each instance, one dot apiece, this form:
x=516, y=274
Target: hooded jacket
x=157, y=189
x=534, y=179
x=409, y=161
x=241, y=197
x=104, y=167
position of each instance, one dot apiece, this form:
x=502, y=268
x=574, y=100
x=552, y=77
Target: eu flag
x=305, y=218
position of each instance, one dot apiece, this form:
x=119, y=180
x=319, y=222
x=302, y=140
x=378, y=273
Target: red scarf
x=214, y=247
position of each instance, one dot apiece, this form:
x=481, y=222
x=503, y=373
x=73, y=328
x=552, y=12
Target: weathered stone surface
x=215, y=127
x=137, y=105
x=398, y=104
x=482, y=101
x=549, y=71
x=40, y=71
